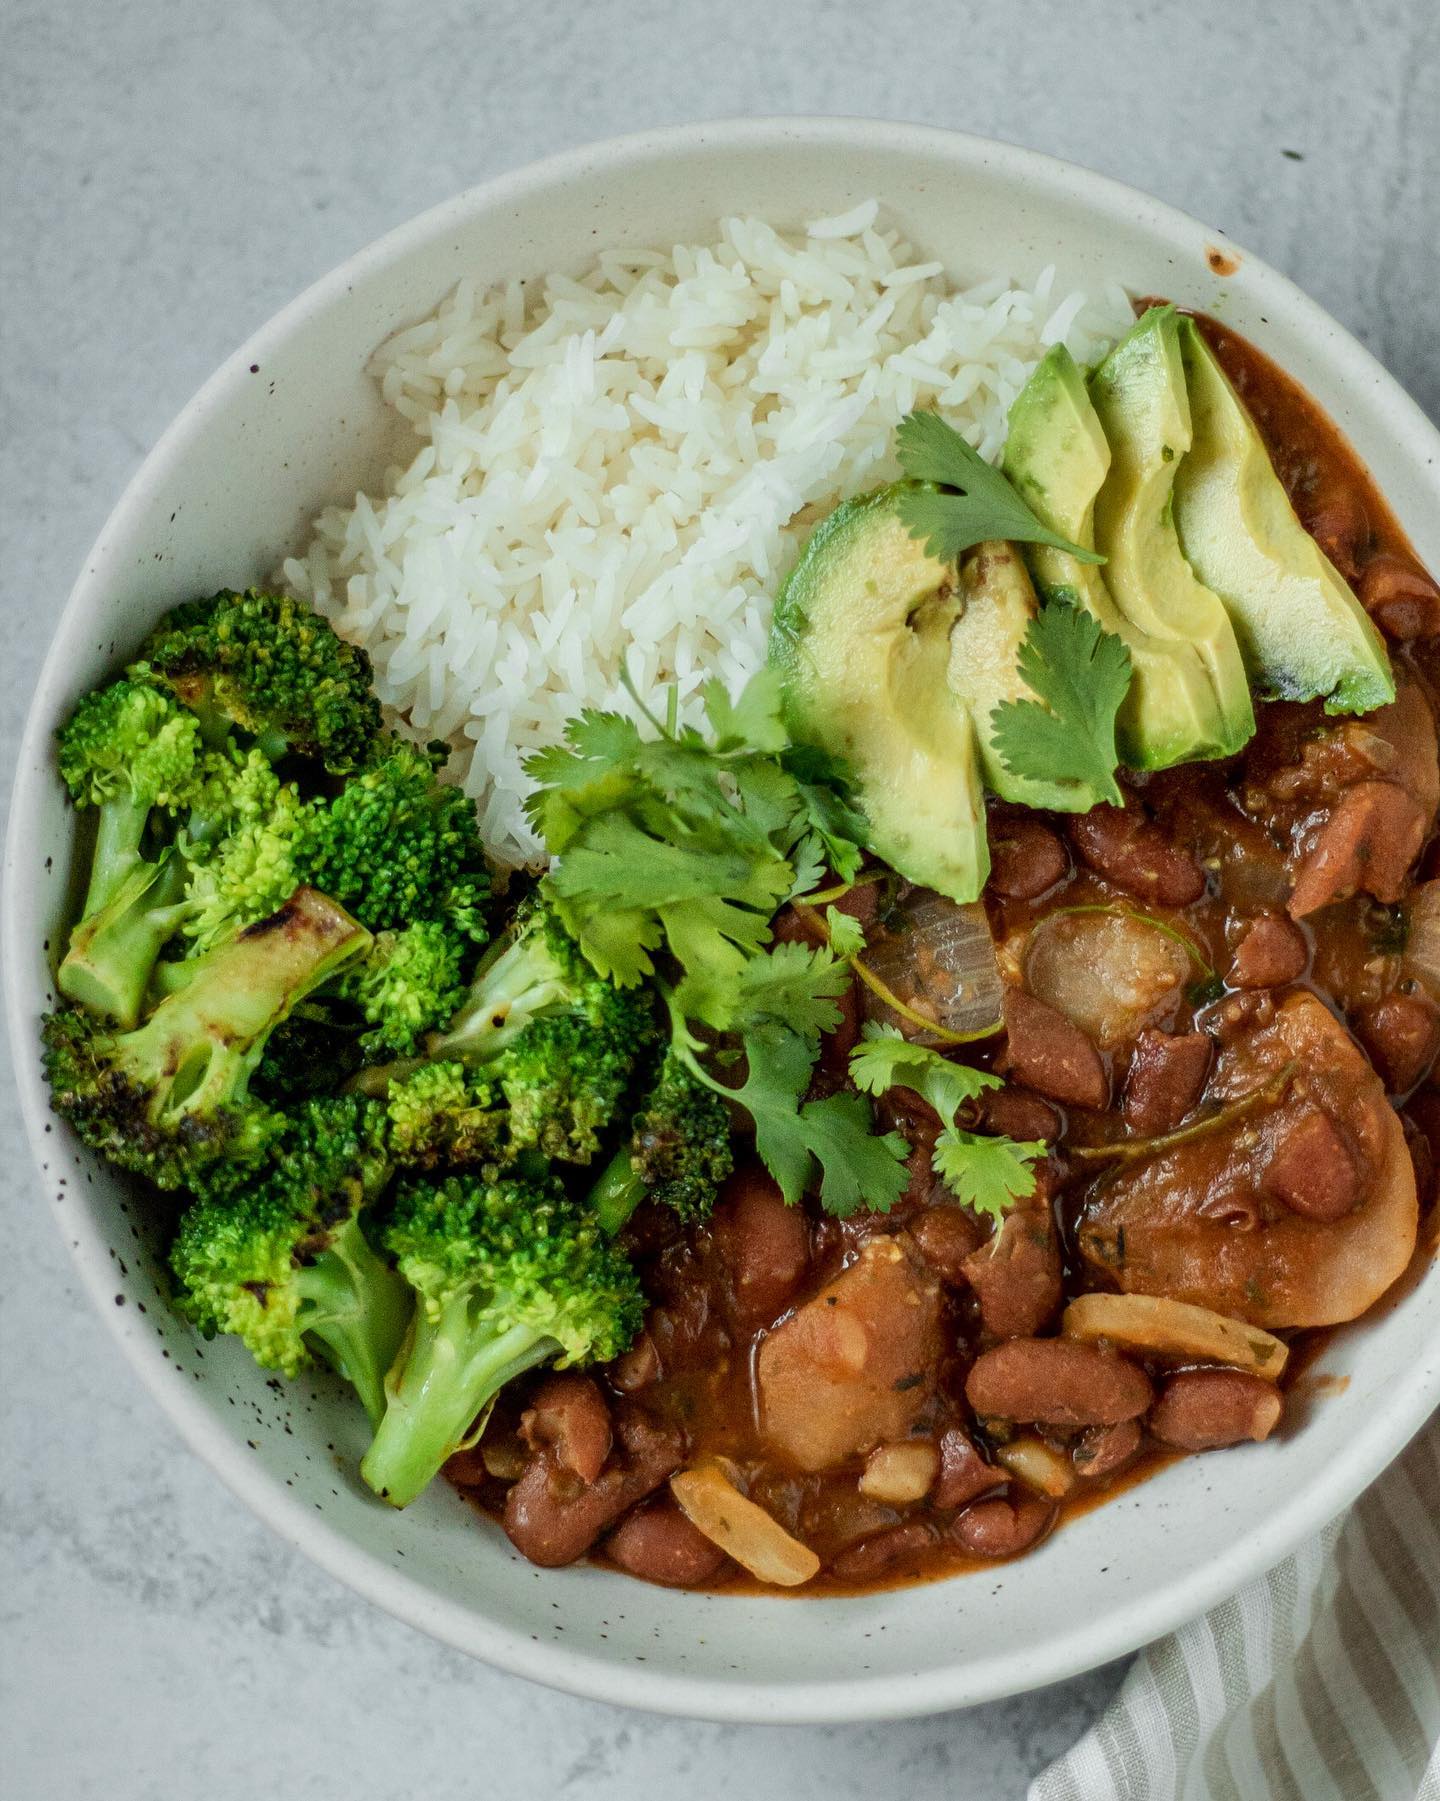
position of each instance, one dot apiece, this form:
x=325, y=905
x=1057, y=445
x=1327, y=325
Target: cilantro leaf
x=885, y=1058
x=795, y=985
x=614, y=861
x=986, y=1173
x=825, y=806
x=797, y=1139
x=617, y=941
x=1081, y=674
x=985, y=506
x=846, y=937
x=753, y=722
x=858, y=1168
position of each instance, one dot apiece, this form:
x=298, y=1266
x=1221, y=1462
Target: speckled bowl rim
x=1076, y=1646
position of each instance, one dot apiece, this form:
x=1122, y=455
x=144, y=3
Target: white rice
x=623, y=467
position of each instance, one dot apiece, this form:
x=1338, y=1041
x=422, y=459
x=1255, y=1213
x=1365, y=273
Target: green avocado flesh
x=1141, y=401
x=1302, y=632
x=861, y=641
x=1058, y=459
x=998, y=603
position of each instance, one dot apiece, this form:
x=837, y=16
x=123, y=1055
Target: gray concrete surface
x=172, y=174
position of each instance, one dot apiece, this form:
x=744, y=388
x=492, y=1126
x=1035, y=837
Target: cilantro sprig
x=798, y=1140
x=672, y=852
x=969, y=502
x=1080, y=674
x=689, y=843
x=987, y=1173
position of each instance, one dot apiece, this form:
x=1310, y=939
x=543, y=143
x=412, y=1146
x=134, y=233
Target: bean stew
x=1219, y=1019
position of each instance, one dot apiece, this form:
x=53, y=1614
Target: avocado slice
x=1058, y=459
x=860, y=639
x=1302, y=632
x=1140, y=396
x=998, y=603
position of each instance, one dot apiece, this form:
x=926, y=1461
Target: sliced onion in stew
x=938, y=959
x=1110, y=973
x=758, y=1543
x=1038, y=1466
x=1177, y=1330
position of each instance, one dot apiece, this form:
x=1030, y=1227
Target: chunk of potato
x=854, y=1365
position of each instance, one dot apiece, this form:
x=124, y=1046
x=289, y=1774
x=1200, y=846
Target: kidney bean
x=1050, y=1054
x=1402, y=1035
x=1203, y=1410
x=1372, y=836
x=946, y=1235
x=1271, y=953
x=1016, y=1275
x=1401, y=599
x=765, y=1245
x=1103, y=1450
x=568, y=1413
x=883, y=1552
x=1056, y=1382
x=964, y=1473
x=1125, y=847
x=552, y=1517
x=1165, y=1079
x=638, y=1367
x=1014, y=1112
x=1026, y=857
x=1003, y=1527
x=1312, y=1169
x=659, y=1544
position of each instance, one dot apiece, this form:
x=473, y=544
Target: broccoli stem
x=453, y=1370
x=618, y=1192
x=506, y=994
x=119, y=831
x=113, y=951
x=357, y=1309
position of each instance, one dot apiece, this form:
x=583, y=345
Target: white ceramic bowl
x=291, y=422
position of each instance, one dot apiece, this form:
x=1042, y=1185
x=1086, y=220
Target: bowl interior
x=291, y=423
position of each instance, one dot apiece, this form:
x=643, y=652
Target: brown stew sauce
x=720, y=1290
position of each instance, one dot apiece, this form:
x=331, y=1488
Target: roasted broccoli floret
x=127, y=750
x=557, y=1040
x=409, y=984
x=171, y=1096
x=180, y=841
x=678, y=1152
x=280, y=1258
x=535, y=971
x=444, y=1117
x=396, y=845
x=308, y=1054
x=247, y=874
x=130, y=753
x=269, y=665
x=508, y=1275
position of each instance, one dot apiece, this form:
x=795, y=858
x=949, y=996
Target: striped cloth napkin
x=1318, y=1682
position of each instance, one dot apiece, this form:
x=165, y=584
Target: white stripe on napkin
x=1320, y=1681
